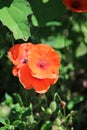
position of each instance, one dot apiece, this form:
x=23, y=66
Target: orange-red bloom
x=37, y=66
x=76, y=5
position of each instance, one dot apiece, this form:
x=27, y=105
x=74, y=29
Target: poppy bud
x=53, y=106
x=49, y=111
x=63, y=104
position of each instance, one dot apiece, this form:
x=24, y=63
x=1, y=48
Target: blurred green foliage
x=48, y=22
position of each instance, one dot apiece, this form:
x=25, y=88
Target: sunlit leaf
x=75, y=100
x=4, y=121
x=34, y=20
x=46, y=125
x=58, y=41
x=81, y=50
x=9, y=99
x=45, y=1
x=15, y=18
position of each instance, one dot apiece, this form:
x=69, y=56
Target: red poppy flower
x=41, y=69
x=76, y=5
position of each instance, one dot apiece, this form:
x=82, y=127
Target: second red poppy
x=78, y=6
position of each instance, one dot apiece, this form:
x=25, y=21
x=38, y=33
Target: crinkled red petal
x=44, y=61
x=25, y=76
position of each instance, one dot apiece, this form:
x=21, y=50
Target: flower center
x=75, y=5
x=24, y=61
x=42, y=64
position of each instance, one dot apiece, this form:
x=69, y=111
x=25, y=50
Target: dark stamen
x=41, y=64
x=25, y=60
x=75, y=5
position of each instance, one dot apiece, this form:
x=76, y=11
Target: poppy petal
x=54, y=80
x=13, y=53
x=41, y=85
x=25, y=76
x=29, y=82
x=18, y=54
x=44, y=61
x=15, y=70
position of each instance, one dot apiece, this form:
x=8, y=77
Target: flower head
x=76, y=5
x=37, y=67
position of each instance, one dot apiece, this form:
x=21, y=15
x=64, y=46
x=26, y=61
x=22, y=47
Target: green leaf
x=75, y=100
x=18, y=99
x=21, y=126
x=2, y=52
x=3, y=128
x=26, y=113
x=4, y=121
x=30, y=119
x=45, y=1
x=53, y=23
x=34, y=20
x=15, y=18
x=9, y=99
x=46, y=125
x=81, y=50
x=57, y=42
x=18, y=123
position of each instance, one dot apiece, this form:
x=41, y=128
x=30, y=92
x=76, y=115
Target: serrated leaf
x=15, y=18
x=81, y=50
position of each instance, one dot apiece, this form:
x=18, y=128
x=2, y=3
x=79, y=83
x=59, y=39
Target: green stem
x=58, y=96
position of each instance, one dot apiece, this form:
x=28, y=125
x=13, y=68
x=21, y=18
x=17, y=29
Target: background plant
x=49, y=22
